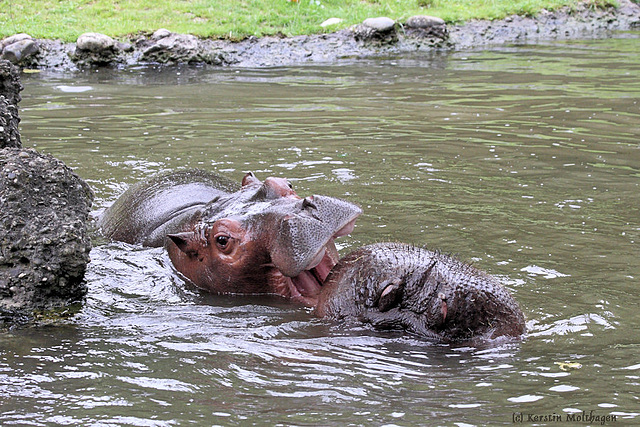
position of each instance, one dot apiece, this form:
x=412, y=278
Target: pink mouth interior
x=309, y=282
x=306, y=286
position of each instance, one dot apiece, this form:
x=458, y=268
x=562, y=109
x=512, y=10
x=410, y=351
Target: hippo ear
x=188, y=242
x=250, y=179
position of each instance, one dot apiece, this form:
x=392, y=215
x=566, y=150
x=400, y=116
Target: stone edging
x=374, y=37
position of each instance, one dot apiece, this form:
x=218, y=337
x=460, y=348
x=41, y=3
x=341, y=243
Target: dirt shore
x=377, y=39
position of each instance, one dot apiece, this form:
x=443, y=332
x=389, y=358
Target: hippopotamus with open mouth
x=262, y=238
x=253, y=238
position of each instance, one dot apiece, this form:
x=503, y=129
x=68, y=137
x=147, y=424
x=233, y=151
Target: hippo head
x=395, y=286
x=263, y=238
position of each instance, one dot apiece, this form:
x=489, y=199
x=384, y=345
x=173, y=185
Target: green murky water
x=524, y=160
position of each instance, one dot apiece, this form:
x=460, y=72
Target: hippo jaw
x=305, y=287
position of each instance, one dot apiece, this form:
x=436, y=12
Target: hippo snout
x=307, y=231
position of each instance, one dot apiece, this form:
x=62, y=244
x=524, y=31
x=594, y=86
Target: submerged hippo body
x=398, y=286
x=257, y=237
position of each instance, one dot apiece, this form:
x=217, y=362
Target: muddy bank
x=585, y=22
x=372, y=38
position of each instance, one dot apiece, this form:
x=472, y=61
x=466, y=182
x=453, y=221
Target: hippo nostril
x=307, y=202
x=390, y=296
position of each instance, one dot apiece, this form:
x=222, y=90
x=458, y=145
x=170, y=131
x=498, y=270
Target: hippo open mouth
x=311, y=253
x=306, y=286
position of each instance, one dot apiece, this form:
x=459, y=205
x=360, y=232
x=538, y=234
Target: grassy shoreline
x=237, y=19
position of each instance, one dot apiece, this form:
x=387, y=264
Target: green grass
x=235, y=19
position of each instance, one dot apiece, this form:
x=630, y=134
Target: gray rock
x=426, y=26
x=173, y=48
x=13, y=39
x=44, y=207
x=9, y=135
x=160, y=34
x=124, y=47
x=95, y=43
x=376, y=29
x=381, y=24
x=10, y=88
x=94, y=49
x=20, y=50
x=424, y=21
x=44, y=244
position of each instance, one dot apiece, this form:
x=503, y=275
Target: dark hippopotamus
x=399, y=286
x=253, y=238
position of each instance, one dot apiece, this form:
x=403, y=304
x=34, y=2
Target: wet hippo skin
x=403, y=287
x=262, y=238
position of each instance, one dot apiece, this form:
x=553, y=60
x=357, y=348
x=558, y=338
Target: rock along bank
x=44, y=208
x=374, y=37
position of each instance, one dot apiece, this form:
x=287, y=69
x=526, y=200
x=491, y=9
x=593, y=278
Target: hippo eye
x=222, y=241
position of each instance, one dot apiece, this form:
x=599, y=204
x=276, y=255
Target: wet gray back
x=162, y=204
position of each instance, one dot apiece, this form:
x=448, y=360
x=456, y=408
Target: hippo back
x=162, y=204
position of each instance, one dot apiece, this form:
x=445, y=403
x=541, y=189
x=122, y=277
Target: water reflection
x=523, y=160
